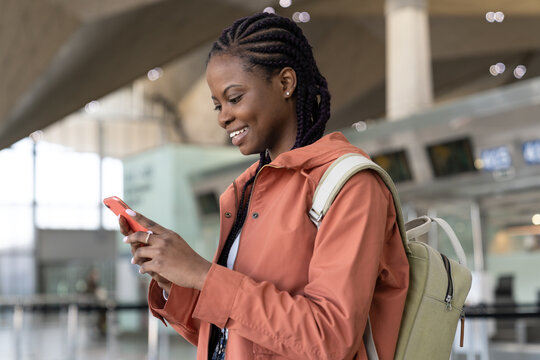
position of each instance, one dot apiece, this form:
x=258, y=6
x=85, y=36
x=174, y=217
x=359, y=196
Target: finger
x=137, y=260
x=147, y=223
x=125, y=229
x=135, y=246
x=147, y=267
x=143, y=254
x=139, y=238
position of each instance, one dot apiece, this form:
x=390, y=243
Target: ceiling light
x=285, y=3
x=536, y=219
x=500, y=67
x=490, y=16
x=360, y=126
x=36, y=136
x=479, y=164
x=154, y=74
x=493, y=70
x=269, y=10
x=92, y=106
x=499, y=16
x=520, y=71
x=296, y=17
x=304, y=17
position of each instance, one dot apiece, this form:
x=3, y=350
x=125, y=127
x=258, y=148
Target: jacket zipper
x=450, y=295
x=450, y=287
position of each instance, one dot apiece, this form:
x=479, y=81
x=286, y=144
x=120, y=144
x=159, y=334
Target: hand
x=125, y=229
x=167, y=255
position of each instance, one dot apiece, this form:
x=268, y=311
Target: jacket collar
x=325, y=150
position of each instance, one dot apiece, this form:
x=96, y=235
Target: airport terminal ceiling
x=58, y=55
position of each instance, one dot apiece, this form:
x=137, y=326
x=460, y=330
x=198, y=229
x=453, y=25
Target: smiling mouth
x=235, y=133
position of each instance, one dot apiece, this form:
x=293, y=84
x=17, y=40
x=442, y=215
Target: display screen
x=208, y=203
x=451, y=158
x=496, y=159
x=395, y=164
x=531, y=152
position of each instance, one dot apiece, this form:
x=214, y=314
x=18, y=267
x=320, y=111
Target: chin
x=245, y=150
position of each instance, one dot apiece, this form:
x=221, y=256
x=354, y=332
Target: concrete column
x=408, y=59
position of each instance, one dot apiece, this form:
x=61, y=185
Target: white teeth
x=234, y=133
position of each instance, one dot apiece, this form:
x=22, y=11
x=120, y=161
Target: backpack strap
x=420, y=226
x=341, y=170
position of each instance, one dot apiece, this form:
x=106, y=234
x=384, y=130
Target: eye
x=235, y=100
x=217, y=107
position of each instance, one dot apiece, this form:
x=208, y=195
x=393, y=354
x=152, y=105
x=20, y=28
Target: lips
x=238, y=136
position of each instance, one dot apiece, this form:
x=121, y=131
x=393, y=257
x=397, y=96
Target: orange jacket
x=295, y=292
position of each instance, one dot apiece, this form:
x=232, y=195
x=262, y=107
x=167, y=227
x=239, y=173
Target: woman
x=278, y=287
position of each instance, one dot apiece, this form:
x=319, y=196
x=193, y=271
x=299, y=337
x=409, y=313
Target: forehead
x=223, y=70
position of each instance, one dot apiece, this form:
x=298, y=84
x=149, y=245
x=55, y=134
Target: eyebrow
x=227, y=89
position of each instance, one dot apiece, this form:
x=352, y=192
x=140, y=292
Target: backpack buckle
x=315, y=216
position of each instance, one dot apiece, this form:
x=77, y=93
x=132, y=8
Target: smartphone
x=117, y=206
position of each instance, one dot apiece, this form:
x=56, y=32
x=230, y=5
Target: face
x=256, y=112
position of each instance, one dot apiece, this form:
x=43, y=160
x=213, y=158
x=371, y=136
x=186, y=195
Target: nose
x=225, y=117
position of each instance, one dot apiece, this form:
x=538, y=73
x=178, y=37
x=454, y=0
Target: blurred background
x=109, y=97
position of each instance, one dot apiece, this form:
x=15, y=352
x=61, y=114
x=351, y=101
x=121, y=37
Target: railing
x=500, y=331
x=503, y=311
x=73, y=307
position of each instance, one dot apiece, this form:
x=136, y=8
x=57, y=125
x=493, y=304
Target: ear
x=287, y=80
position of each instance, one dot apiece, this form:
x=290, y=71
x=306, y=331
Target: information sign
x=531, y=152
x=496, y=159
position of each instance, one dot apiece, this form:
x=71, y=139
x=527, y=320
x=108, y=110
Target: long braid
x=270, y=43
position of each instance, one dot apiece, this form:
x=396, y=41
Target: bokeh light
x=154, y=74
x=285, y=3
x=92, y=107
x=520, y=71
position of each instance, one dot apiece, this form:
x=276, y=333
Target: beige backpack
x=438, y=285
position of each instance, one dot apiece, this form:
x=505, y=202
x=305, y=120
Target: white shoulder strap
x=332, y=181
x=341, y=170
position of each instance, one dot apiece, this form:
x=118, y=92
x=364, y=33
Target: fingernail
x=133, y=260
x=130, y=212
x=150, y=232
x=140, y=271
x=125, y=239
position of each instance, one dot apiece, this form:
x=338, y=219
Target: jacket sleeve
x=328, y=321
x=177, y=310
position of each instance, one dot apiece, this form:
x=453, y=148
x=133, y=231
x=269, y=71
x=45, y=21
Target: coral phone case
x=117, y=206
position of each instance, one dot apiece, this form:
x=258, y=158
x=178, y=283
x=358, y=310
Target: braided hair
x=270, y=43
